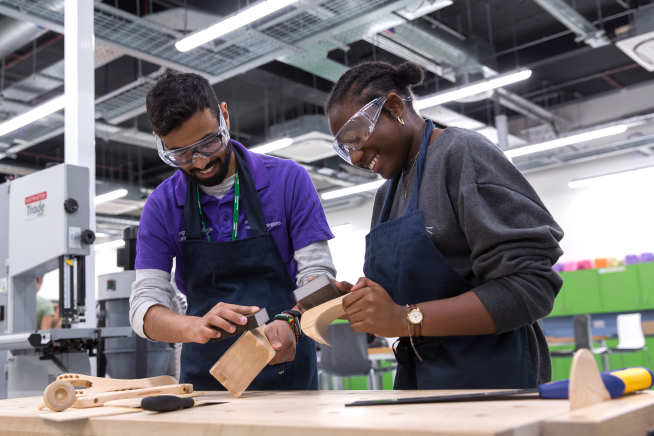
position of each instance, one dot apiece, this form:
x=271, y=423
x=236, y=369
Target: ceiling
x=276, y=74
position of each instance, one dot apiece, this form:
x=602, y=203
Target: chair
x=631, y=338
x=583, y=339
x=347, y=357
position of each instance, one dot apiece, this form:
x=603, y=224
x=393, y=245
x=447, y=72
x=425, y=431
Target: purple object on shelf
x=631, y=259
x=569, y=266
x=585, y=264
x=647, y=257
x=558, y=267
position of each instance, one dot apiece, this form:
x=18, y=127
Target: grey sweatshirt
x=492, y=228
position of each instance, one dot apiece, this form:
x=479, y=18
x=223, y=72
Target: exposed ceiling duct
x=576, y=22
x=639, y=41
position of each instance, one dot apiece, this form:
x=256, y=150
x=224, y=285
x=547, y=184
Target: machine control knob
x=71, y=205
x=88, y=237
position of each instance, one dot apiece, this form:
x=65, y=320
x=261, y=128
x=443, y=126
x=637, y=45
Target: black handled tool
x=169, y=403
x=253, y=321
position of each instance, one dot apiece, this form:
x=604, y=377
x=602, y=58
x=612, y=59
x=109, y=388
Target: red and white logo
x=35, y=205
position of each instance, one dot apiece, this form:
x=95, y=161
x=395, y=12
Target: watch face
x=415, y=317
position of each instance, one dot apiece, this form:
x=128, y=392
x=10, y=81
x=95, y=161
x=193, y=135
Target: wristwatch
x=414, y=317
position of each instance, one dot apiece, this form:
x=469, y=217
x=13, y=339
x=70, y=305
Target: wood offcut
x=316, y=321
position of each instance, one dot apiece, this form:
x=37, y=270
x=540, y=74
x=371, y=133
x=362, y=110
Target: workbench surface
x=310, y=413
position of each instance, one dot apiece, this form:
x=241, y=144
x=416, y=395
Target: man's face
x=207, y=171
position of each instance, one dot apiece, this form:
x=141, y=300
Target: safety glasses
x=206, y=147
x=356, y=131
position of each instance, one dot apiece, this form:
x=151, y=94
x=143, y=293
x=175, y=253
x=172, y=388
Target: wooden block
x=243, y=361
x=316, y=292
x=315, y=321
x=586, y=387
x=254, y=320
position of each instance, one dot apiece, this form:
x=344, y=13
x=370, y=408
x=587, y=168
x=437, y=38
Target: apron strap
x=192, y=217
x=253, y=208
x=413, y=201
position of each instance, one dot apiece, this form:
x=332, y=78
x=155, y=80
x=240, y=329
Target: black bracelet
x=295, y=313
x=293, y=322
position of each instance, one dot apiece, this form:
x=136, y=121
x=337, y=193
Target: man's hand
x=222, y=316
x=281, y=337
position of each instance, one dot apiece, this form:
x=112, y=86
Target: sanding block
x=316, y=292
x=254, y=320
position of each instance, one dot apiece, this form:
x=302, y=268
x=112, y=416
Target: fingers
x=352, y=298
x=342, y=286
x=362, y=283
x=218, y=322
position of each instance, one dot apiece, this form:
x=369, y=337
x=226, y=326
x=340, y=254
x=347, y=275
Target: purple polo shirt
x=292, y=210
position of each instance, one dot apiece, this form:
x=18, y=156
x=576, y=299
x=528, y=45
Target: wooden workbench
x=322, y=413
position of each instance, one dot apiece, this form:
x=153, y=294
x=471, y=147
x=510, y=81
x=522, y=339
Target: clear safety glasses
x=356, y=131
x=206, y=147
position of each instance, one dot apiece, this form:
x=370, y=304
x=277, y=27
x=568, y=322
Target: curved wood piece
x=96, y=400
x=61, y=394
x=586, y=386
x=316, y=321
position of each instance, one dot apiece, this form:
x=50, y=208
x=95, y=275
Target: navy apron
x=247, y=272
x=402, y=258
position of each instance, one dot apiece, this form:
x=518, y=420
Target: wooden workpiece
x=315, y=321
x=243, y=361
x=322, y=413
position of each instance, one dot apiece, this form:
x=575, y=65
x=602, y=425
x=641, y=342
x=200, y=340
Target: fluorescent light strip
x=351, y=190
x=472, y=89
x=272, y=146
x=110, y=196
x=631, y=176
x=47, y=108
x=567, y=140
x=229, y=24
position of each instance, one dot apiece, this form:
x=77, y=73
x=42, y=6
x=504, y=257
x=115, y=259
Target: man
x=243, y=228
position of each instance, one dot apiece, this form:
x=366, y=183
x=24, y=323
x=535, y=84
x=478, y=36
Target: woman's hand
x=370, y=309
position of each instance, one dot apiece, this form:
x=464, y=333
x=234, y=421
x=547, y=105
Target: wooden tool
x=317, y=291
x=254, y=320
x=243, y=361
x=315, y=321
x=94, y=391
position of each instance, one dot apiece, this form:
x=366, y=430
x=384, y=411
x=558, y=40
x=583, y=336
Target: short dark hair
x=175, y=98
x=373, y=79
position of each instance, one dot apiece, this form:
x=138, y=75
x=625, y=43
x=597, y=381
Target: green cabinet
x=616, y=289
x=620, y=288
x=582, y=292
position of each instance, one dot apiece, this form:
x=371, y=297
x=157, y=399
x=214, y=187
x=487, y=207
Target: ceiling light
x=472, y=89
x=567, y=140
x=47, y=108
x=110, y=196
x=119, y=243
x=272, y=146
x=356, y=189
x=231, y=23
x=633, y=177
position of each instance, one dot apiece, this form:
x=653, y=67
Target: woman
x=459, y=259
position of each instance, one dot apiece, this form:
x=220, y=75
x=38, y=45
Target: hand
x=344, y=287
x=281, y=337
x=370, y=309
x=222, y=316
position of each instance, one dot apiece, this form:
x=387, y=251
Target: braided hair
x=373, y=79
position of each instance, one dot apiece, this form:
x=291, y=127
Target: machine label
x=35, y=205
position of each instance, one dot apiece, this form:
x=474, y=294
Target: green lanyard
x=237, y=196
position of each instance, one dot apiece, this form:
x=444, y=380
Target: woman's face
x=385, y=150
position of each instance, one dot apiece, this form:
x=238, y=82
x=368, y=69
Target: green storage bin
x=620, y=288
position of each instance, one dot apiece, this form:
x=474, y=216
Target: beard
x=217, y=178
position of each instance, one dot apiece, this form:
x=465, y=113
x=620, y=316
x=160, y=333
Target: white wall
x=603, y=221
x=598, y=222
